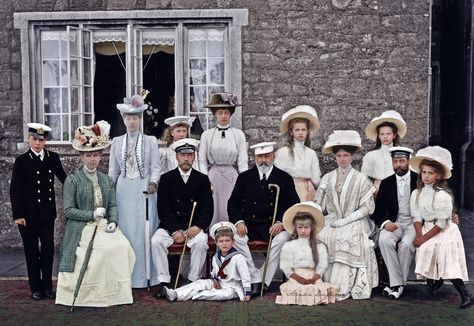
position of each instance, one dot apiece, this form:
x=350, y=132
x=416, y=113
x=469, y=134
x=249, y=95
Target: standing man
x=392, y=215
x=34, y=208
x=251, y=209
x=177, y=191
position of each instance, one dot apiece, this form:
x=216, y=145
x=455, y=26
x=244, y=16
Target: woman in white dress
x=347, y=196
x=222, y=148
x=439, y=245
x=135, y=168
x=89, y=203
x=297, y=158
x=178, y=129
x=304, y=260
x=386, y=131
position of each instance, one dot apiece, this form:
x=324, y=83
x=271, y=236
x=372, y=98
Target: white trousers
x=273, y=261
x=160, y=242
x=398, y=261
x=204, y=290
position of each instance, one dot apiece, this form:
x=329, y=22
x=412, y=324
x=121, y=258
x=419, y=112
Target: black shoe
x=161, y=294
x=431, y=284
x=49, y=294
x=466, y=299
x=438, y=284
x=257, y=288
x=36, y=295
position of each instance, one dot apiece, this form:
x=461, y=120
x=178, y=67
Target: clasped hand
x=99, y=212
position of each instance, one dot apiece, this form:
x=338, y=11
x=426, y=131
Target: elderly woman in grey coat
x=89, y=205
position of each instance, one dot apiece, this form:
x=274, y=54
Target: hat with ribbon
x=307, y=207
x=391, y=116
x=92, y=138
x=433, y=153
x=342, y=138
x=132, y=105
x=303, y=112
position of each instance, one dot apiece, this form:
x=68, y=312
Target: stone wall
x=350, y=59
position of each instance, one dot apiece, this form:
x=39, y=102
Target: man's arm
x=234, y=204
x=168, y=219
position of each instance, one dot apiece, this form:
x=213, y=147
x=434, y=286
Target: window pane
x=63, y=77
x=65, y=134
x=74, y=72
x=197, y=43
x=51, y=73
x=55, y=123
x=216, y=71
x=86, y=46
x=215, y=43
x=87, y=119
x=50, y=49
x=74, y=122
x=87, y=99
x=52, y=97
x=74, y=99
x=73, y=43
x=87, y=72
x=65, y=93
x=197, y=71
x=200, y=99
x=216, y=89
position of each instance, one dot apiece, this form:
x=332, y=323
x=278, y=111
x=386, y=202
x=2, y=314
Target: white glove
x=355, y=216
x=99, y=213
x=152, y=188
x=111, y=227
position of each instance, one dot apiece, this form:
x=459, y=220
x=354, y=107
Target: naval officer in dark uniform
x=34, y=208
x=177, y=191
x=251, y=208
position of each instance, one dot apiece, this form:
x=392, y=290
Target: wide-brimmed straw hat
x=387, y=116
x=307, y=207
x=92, y=138
x=226, y=101
x=300, y=111
x=433, y=153
x=342, y=138
x=221, y=226
x=132, y=105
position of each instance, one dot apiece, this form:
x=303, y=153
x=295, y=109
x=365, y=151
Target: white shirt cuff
x=383, y=224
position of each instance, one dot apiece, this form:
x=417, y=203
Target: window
x=90, y=61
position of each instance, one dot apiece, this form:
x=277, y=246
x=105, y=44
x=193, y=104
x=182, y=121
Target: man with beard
x=392, y=215
x=251, y=208
x=177, y=191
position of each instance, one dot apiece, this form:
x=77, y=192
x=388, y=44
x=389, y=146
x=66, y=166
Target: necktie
x=223, y=131
x=402, y=187
x=185, y=178
x=264, y=177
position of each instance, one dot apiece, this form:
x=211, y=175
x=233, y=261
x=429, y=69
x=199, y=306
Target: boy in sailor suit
x=230, y=276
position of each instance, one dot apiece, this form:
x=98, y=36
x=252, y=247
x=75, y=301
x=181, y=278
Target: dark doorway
x=109, y=90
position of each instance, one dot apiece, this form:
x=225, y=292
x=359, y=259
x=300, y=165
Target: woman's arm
x=69, y=203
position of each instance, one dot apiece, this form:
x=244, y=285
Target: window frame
x=30, y=25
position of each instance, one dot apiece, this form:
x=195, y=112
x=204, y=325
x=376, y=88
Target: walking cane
x=184, y=247
x=84, y=265
x=277, y=197
x=147, y=240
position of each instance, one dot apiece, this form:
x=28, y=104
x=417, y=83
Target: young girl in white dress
x=386, y=131
x=439, y=245
x=297, y=158
x=304, y=259
x=178, y=129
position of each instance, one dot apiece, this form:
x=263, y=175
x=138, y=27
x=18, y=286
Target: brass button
x=39, y=200
x=269, y=217
x=37, y=172
x=178, y=212
x=255, y=203
x=253, y=215
x=177, y=200
x=39, y=191
x=50, y=180
x=271, y=204
x=191, y=200
x=50, y=189
x=39, y=182
x=49, y=171
x=49, y=198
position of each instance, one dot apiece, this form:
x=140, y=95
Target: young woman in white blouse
x=297, y=158
x=439, y=246
x=222, y=149
x=386, y=131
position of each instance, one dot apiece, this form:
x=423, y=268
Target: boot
x=466, y=299
x=438, y=284
x=431, y=284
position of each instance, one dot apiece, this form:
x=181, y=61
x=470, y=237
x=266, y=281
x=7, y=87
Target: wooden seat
x=255, y=246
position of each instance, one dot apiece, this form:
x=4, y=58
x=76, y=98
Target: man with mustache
x=251, y=208
x=177, y=191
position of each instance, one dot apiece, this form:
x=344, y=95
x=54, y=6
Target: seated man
x=392, y=215
x=177, y=191
x=251, y=208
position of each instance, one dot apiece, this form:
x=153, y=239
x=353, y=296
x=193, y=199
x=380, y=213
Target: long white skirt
x=107, y=278
x=443, y=255
x=222, y=178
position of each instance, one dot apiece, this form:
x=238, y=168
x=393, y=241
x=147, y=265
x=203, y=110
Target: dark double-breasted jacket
x=32, y=186
x=386, y=204
x=175, y=201
x=252, y=200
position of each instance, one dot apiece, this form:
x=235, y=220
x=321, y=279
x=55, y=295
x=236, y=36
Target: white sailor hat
x=398, y=151
x=132, y=105
x=185, y=145
x=172, y=121
x=221, y=226
x=263, y=148
x=38, y=130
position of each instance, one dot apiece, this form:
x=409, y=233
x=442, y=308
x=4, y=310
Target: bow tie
x=223, y=131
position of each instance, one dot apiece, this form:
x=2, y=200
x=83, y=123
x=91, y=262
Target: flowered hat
x=38, y=130
x=92, y=138
x=132, y=105
x=301, y=111
x=223, y=101
x=222, y=226
x=307, y=207
x=342, y=138
x=387, y=116
x=433, y=153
